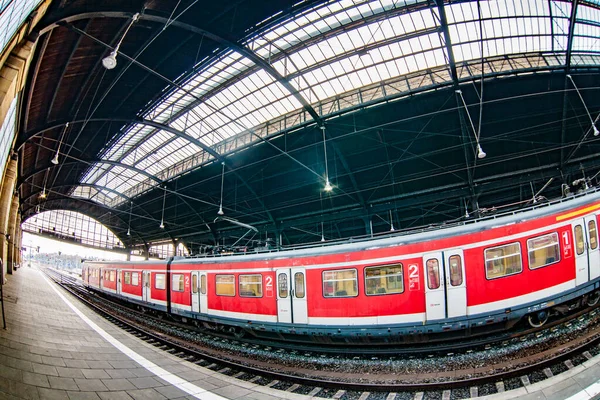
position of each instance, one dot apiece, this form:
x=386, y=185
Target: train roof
x=453, y=228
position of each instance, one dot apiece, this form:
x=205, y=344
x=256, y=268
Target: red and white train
x=466, y=279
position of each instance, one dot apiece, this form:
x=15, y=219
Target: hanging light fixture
x=328, y=187
x=162, y=218
x=480, y=152
x=110, y=61
x=220, y=212
x=391, y=222
x=129, y=224
x=594, y=129
x=55, y=159
x=43, y=195
x=322, y=233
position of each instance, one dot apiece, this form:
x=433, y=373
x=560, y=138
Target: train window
x=384, y=280
x=543, y=250
x=177, y=283
x=456, y=276
x=135, y=278
x=579, y=243
x=111, y=276
x=340, y=283
x=202, y=284
x=250, y=285
x=299, y=291
x=283, y=286
x=593, y=234
x=225, y=285
x=159, y=281
x=433, y=273
x=503, y=261
x=194, y=283
x=127, y=278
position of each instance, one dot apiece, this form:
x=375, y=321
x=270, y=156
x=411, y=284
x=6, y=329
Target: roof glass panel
x=12, y=15
x=323, y=52
x=78, y=227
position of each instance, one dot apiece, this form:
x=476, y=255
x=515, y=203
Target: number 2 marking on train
x=269, y=281
x=413, y=271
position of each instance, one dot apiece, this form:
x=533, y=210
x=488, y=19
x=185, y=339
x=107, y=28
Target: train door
x=195, y=291
x=119, y=288
x=456, y=288
x=587, y=263
x=581, y=257
x=146, y=285
x=291, y=295
x=203, y=293
x=445, y=288
x=593, y=250
x=435, y=295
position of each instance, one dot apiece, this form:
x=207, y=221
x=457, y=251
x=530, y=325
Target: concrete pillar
x=11, y=234
x=8, y=185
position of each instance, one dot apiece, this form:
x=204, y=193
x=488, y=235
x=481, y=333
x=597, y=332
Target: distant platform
x=56, y=348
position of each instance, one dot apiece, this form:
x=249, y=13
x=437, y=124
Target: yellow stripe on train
x=578, y=213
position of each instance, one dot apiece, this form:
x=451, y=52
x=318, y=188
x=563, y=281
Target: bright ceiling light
x=480, y=152
x=110, y=61
x=328, y=187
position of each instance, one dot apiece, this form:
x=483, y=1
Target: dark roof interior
x=411, y=158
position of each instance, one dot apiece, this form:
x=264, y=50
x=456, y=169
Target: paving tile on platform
x=232, y=391
x=72, y=363
x=118, y=384
x=95, y=374
x=83, y=396
x=114, y=396
x=589, y=376
x=44, y=369
x=170, y=392
x=91, y=385
x=23, y=390
x=62, y=383
x=57, y=362
x=14, y=374
x=562, y=393
x=120, y=373
x=145, y=382
x=34, y=379
x=146, y=394
x=52, y=394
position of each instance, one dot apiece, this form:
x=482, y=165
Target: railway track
x=313, y=381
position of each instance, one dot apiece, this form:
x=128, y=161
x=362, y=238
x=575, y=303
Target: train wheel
x=593, y=298
x=538, y=319
x=237, y=332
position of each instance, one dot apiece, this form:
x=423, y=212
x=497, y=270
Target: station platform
x=56, y=348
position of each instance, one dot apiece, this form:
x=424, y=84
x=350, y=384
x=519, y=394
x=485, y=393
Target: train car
x=464, y=279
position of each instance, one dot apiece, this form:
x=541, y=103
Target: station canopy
x=259, y=124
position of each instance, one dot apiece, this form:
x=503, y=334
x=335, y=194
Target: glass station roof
x=329, y=52
x=12, y=15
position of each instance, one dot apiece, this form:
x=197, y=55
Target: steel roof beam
x=563, y=132
x=64, y=70
x=23, y=179
x=447, y=41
